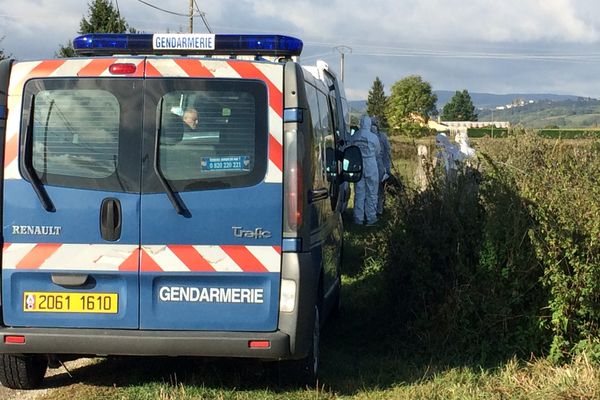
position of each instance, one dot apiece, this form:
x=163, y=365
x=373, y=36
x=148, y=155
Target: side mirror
x=352, y=164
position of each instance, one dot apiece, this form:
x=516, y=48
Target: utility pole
x=191, y=16
x=341, y=49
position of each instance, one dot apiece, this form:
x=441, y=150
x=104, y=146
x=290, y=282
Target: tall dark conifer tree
x=459, y=108
x=102, y=18
x=376, y=102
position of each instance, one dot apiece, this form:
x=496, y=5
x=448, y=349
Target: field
x=366, y=354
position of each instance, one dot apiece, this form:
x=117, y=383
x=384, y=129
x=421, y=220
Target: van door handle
x=110, y=219
x=69, y=280
x=318, y=194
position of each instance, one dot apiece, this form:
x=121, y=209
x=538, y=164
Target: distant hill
x=577, y=113
x=480, y=100
x=546, y=110
x=489, y=100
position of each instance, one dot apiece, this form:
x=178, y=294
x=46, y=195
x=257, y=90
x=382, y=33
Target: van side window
x=317, y=139
x=329, y=137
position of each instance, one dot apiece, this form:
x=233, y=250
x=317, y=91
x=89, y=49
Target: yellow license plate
x=68, y=302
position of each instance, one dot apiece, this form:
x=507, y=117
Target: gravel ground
x=59, y=377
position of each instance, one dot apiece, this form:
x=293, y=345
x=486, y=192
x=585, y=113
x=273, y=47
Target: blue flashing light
x=259, y=44
x=117, y=43
x=112, y=43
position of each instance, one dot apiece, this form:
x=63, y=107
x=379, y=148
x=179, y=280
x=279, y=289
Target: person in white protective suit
x=365, y=190
x=384, y=163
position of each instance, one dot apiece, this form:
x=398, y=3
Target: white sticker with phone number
x=235, y=163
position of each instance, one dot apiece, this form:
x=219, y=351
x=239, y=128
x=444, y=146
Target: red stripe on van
x=139, y=70
x=191, y=258
x=96, y=67
x=36, y=257
x=277, y=249
x=244, y=259
x=248, y=70
x=148, y=263
x=11, y=151
x=132, y=263
x=151, y=71
x=194, y=68
x=276, y=152
x=45, y=68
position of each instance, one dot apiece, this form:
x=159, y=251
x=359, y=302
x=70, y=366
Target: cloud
x=479, y=45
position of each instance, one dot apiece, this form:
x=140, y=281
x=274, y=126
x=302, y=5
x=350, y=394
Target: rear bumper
x=145, y=343
x=292, y=340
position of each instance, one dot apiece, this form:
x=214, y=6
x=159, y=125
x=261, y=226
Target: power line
x=163, y=10
x=203, y=16
x=382, y=51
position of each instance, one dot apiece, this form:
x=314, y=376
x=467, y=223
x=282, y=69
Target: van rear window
x=84, y=133
x=76, y=133
x=213, y=138
x=213, y=133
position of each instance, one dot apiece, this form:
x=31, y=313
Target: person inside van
x=190, y=118
x=365, y=190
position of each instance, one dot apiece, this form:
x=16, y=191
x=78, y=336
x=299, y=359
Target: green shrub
x=462, y=274
x=558, y=180
x=503, y=260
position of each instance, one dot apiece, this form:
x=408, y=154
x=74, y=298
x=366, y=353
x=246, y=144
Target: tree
x=410, y=105
x=459, y=108
x=376, y=102
x=102, y=18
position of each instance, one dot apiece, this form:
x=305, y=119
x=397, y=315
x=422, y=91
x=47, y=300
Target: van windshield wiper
x=173, y=197
x=32, y=176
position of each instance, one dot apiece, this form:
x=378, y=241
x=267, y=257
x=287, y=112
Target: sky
x=490, y=46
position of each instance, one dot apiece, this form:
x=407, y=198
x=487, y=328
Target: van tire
x=22, y=371
x=304, y=372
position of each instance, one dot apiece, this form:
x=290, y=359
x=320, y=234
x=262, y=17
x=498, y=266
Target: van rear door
x=211, y=209
x=71, y=197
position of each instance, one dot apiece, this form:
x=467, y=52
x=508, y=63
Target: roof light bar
x=192, y=43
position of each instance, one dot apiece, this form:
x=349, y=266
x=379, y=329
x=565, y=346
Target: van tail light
x=259, y=344
x=294, y=198
x=14, y=339
x=122, y=68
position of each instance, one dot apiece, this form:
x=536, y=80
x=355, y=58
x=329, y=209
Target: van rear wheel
x=22, y=371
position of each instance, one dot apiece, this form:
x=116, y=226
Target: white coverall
x=365, y=196
x=384, y=165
